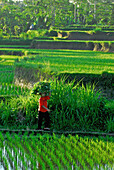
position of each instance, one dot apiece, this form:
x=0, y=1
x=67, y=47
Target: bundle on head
x=41, y=87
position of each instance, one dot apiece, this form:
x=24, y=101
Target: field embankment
x=99, y=36
x=74, y=45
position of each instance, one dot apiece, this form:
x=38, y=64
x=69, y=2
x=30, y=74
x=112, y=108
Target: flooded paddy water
x=52, y=152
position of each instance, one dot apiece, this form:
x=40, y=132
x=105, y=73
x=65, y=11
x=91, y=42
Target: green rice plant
x=5, y=163
x=60, y=152
x=0, y=154
x=70, y=61
x=6, y=77
x=85, y=155
x=35, y=156
x=15, y=46
x=99, y=151
x=65, y=147
x=12, y=89
x=11, y=158
x=1, y=137
x=22, y=153
x=32, y=159
x=6, y=73
x=50, y=151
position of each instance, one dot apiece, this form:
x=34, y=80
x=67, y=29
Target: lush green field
x=69, y=61
x=53, y=152
x=89, y=110
x=73, y=107
x=7, y=68
x=6, y=73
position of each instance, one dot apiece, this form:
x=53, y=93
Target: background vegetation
x=17, y=16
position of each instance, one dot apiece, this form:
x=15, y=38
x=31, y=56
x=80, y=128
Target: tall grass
x=19, y=111
x=73, y=107
x=77, y=107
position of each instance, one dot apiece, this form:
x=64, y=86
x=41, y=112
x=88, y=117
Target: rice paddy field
x=55, y=152
x=70, y=61
x=76, y=61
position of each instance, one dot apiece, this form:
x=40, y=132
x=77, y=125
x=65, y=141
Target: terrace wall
x=62, y=45
x=99, y=36
x=96, y=46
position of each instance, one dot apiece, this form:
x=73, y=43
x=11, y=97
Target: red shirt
x=43, y=101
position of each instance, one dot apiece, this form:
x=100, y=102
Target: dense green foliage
x=41, y=87
x=53, y=152
x=75, y=107
x=17, y=16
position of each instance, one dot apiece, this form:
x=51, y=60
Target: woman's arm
x=45, y=108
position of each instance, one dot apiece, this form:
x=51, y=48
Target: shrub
x=42, y=32
x=97, y=30
x=32, y=33
x=23, y=35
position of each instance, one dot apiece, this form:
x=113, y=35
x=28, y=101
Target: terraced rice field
x=70, y=61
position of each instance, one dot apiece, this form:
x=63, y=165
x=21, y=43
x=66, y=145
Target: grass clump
x=77, y=107
x=21, y=111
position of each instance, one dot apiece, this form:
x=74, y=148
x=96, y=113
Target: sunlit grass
x=72, y=61
x=9, y=57
x=75, y=61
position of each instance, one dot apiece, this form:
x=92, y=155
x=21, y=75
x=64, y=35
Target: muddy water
x=1, y=166
x=11, y=165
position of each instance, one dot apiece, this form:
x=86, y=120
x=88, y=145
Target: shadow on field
x=103, y=82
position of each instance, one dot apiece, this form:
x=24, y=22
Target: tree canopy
x=18, y=16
